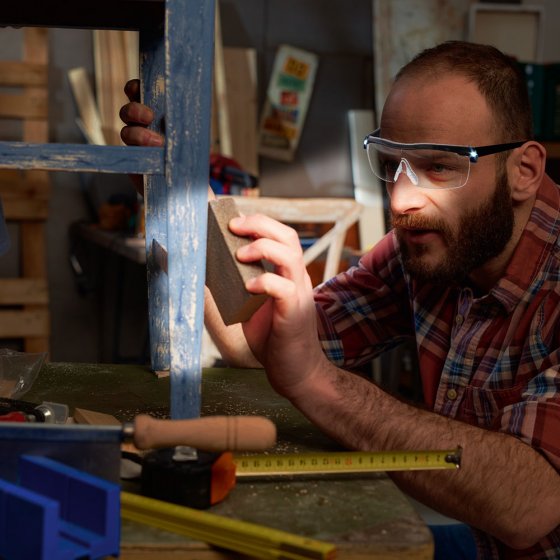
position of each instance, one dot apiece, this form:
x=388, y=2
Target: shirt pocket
x=483, y=407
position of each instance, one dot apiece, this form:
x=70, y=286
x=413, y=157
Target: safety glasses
x=429, y=166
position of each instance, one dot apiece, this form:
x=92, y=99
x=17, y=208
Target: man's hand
x=137, y=117
x=282, y=334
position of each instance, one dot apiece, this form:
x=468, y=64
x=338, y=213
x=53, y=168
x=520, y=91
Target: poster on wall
x=287, y=100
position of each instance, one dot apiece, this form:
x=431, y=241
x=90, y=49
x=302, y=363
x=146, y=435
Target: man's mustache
x=414, y=221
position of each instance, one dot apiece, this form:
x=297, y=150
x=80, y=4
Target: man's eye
x=390, y=166
x=439, y=168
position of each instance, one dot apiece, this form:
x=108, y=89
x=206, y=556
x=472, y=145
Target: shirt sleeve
x=535, y=419
x=365, y=310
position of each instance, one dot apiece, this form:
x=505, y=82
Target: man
x=470, y=271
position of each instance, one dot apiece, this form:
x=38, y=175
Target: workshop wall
x=340, y=33
x=85, y=310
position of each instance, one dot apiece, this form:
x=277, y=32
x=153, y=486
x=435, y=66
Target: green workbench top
x=365, y=517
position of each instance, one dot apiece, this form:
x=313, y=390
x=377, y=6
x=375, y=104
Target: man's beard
x=480, y=235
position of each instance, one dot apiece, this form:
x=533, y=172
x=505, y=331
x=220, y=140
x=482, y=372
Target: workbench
x=365, y=517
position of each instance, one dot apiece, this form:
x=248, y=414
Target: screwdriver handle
x=210, y=433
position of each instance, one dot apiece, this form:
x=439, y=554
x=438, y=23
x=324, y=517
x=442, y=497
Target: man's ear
x=526, y=170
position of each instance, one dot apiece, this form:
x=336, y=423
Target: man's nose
x=404, y=196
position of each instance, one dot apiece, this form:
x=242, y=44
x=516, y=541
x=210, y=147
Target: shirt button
x=451, y=394
x=459, y=319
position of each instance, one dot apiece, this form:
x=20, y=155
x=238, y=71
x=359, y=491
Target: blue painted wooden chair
x=176, y=44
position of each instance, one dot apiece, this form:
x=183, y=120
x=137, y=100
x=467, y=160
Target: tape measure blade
x=349, y=462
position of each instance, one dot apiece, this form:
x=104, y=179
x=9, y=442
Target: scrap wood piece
x=220, y=88
x=113, y=53
x=241, y=84
x=87, y=107
x=225, y=275
x=94, y=418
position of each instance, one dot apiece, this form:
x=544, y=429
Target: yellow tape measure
x=344, y=462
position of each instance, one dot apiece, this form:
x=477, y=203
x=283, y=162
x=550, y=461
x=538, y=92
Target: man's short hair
x=498, y=77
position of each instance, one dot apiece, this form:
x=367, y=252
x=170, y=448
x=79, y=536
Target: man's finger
x=136, y=113
x=139, y=136
x=132, y=90
x=259, y=225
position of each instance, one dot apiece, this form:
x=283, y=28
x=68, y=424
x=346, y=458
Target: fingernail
x=237, y=221
x=155, y=140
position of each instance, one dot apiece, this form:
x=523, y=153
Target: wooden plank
x=20, y=73
x=132, y=54
x=23, y=290
x=241, y=87
x=24, y=184
x=87, y=107
x=78, y=157
x=32, y=105
x=117, y=75
x=25, y=196
x=112, y=67
x=33, y=252
x=34, y=256
x=220, y=87
x=25, y=208
x=20, y=324
x=35, y=49
x=101, y=63
x=93, y=418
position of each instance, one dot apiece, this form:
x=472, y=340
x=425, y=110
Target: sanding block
x=225, y=275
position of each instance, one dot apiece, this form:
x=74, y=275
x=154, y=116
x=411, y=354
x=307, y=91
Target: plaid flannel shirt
x=492, y=361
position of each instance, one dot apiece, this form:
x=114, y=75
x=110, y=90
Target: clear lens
x=426, y=168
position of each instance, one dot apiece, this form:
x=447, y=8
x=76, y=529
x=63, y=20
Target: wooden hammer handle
x=210, y=433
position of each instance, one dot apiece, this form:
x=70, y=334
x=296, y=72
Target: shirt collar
x=534, y=246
